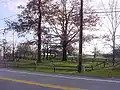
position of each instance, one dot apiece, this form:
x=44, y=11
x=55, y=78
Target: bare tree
x=96, y=52
x=64, y=21
x=114, y=21
x=60, y=16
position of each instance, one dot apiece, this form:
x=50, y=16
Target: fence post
x=54, y=67
x=104, y=63
x=35, y=65
x=91, y=67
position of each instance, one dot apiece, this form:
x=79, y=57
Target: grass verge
x=48, y=67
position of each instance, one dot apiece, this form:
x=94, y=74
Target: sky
x=5, y=13
x=9, y=9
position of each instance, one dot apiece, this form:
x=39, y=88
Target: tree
x=55, y=15
x=46, y=40
x=23, y=49
x=114, y=22
x=65, y=21
x=95, y=52
x=117, y=51
x=31, y=19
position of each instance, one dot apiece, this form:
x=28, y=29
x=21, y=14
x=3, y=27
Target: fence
x=35, y=67
x=52, y=67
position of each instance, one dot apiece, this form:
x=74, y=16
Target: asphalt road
x=8, y=85
x=11, y=79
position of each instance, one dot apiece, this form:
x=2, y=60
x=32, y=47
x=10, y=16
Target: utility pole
x=80, y=38
x=39, y=31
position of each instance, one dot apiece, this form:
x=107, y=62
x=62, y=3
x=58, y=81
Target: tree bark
x=47, y=52
x=24, y=55
x=64, y=56
x=39, y=48
x=95, y=55
x=113, y=59
x=43, y=54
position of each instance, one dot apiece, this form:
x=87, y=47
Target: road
x=11, y=79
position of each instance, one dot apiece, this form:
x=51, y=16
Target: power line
x=105, y=9
x=8, y=17
x=102, y=12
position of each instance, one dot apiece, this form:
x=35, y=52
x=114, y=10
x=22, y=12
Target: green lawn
x=104, y=73
x=47, y=66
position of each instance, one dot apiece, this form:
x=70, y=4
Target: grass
x=104, y=73
x=47, y=66
x=100, y=73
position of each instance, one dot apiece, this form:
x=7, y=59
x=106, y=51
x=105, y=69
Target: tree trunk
x=95, y=55
x=47, y=53
x=32, y=55
x=24, y=55
x=64, y=57
x=113, y=59
x=35, y=55
x=39, y=33
x=39, y=49
x=43, y=55
x=19, y=55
